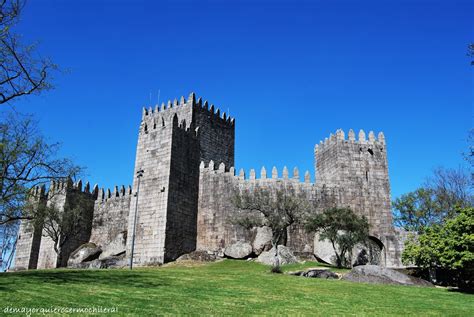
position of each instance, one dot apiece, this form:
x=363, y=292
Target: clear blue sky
x=290, y=73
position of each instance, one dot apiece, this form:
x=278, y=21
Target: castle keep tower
x=172, y=141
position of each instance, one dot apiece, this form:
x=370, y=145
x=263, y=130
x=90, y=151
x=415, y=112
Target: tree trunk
x=277, y=259
x=338, y=257
x=58, y=258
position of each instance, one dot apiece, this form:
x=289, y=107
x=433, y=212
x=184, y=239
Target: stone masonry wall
x=216, y=187
x=170, y=156
x=65, y=196
x=154, y=158
x=29, y=237
x=183, y=193
x=47, y=258
x=216, y=134
x=359, y=169
x=81, y=199
x=110, y=215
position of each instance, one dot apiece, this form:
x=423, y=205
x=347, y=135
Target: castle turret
x=358, y=167
x=29, y=237
x=35, y=247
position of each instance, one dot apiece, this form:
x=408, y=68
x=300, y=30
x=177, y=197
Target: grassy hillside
x=228, y=287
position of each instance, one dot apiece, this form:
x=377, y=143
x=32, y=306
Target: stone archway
x=376, y=250
x=370, y=253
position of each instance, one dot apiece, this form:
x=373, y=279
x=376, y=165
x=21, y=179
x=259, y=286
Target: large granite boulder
x=238, y=250
x=116, y=247
x=316, y=273
x=326, y=274
x=263, y=240
x=201, y=256
x=380, y=275
x=107, y=263
x=85, y=253
x=94, y=264
x=323, y=250
x=115, y=262
x=284, y=255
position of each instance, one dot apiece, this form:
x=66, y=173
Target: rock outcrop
x=380, y=275
x=263, y=240
x=116, y=247
x=238, y=250
x=201, y=256
x=85, y=253
x=284, y=255
x=316, y=273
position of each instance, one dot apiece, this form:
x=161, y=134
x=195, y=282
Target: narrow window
x=370, y=151
x=367, y=175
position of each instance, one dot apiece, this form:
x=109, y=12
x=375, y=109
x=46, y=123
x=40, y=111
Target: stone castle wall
x=110, y=215
x=183, y=193
x=186, y=152
x=39, y=252
x=216, y=210
x=29, y=237
x=47, y=257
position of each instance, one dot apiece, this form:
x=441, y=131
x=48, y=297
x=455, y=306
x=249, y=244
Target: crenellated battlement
x=252, y=175
x=38, y=192
x=214, y=112
x=117, y=192
x=183, y=127
x=62, y=186
x=340, y=137
x=164, y=114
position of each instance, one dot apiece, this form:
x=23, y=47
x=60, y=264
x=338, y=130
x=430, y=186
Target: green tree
x=417, y=210
x=449, y=246
x=276, y=208
x=343, y=228
x=438, y=199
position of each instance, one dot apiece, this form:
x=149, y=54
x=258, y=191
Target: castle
x=186, y=152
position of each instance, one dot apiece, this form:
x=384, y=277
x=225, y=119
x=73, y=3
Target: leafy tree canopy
x=343, y=228
x=437, y=200
x=449, y=246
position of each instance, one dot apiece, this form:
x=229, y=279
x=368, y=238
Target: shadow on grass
x=113, y=278
x=460, y=290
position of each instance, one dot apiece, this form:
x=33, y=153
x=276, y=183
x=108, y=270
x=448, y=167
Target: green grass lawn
x=227, y=287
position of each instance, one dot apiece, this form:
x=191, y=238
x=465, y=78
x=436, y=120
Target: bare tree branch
x=26, y=160
x=23, y=73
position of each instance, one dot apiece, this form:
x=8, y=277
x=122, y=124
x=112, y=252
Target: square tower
x=358, y=168
x=173, y=139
